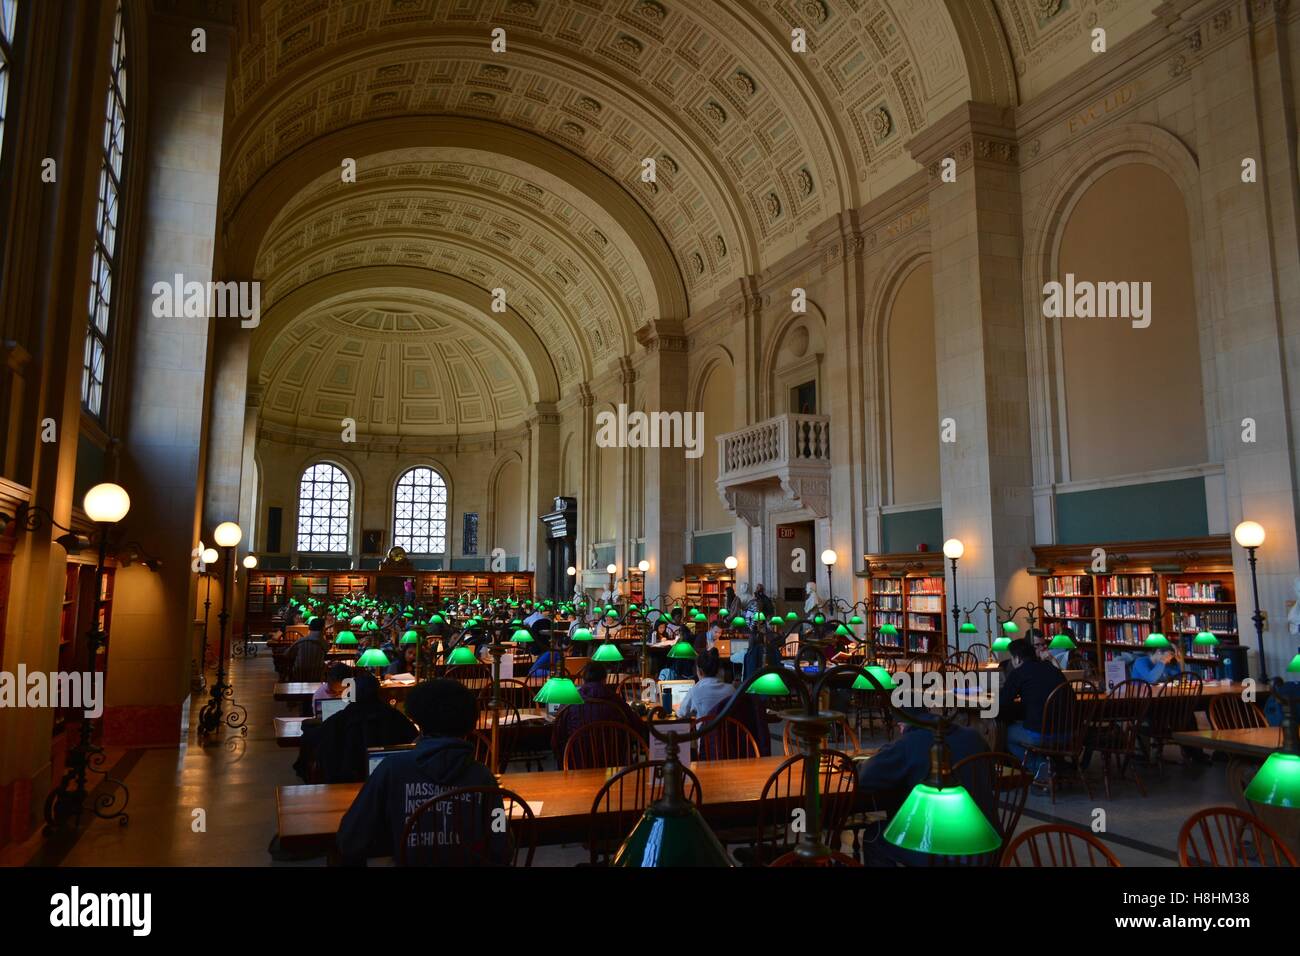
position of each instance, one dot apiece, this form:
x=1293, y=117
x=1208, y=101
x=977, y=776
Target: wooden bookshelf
x=706, y=584
x=1177, y=587
x=269, y=590
x=910, y=592
x=635, y=587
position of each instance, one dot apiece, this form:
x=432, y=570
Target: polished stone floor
x=233, y=782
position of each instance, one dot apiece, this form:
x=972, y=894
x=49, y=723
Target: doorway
x=794, y=565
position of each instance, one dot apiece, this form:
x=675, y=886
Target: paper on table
x=535, y=805
x=659, y=749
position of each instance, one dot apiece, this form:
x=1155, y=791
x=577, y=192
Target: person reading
x=1030, y=680
x=443, y=759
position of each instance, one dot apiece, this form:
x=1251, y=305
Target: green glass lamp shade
x=671, y=839
x=462, y=655
x=855, y=619
x=582, y=634
x=769, y=685
x=819, y=619
x=611, y=614
x=1206, y=639
x=683, y=650
x=358, y=621
x=738, y=621
x=943, y=821
x=1277, y=783
x=634, y=611
x=885, y=678
x=1155, y=641
x=699, y=618
x=1010, y=627
x=760, y=617
x=607, y=654
x=843, y=631
x=521, y=636
x=345, y=638
x=435, y=619
x=371, y=626
x=1000, y=644
x=889, y=630
x=559, y=690
x=968, y=627
x=598, y=609
x=791, y=617
x=632, y=607
x=1294, y=666
x=1062, y=642
x=410, y=637
x=373, y=657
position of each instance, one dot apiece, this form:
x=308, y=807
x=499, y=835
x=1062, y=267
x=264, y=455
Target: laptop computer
x=327, y=707
x=375, y=755
x=678, y=689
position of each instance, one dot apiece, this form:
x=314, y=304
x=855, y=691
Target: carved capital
x=662, y=335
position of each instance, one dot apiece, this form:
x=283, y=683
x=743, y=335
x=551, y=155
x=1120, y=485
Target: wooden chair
x=1000, y=778
x=1226, y=836
x=1057, y=845
x=1170, y=711
x=1230, y=712
x=603, y=743
x=621, y=800
x=1062, y=736
x=961, y=661
x=919, y=662
x=841, y=737
x=981, y=651
x=729, y=740
x=631, y=687
x=774, y=835
x=1113, y=725
x=460, y=827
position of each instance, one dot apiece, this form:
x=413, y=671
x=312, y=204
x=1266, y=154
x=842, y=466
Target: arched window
x=324, y=510
x=420, y=512
x=8, y=21
x=104, y=258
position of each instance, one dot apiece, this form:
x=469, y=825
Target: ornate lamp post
x=105, y=504
x=247, y=648
x=209, y=557
x=227, y=536
x=953, y=549
x=1250, y=535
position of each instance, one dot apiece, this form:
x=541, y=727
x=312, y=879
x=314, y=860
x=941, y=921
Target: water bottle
x=1227, y=669
x=668, y=700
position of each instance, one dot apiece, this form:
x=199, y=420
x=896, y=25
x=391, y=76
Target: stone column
x=543, y=486
x=151, y=649
x=666, y=383
x=1245, y=104
x=980, y=341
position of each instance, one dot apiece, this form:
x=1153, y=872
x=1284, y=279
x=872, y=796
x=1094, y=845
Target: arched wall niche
x=1159, y=159
x=713, y=394
x=910, y=389
x=795, y=355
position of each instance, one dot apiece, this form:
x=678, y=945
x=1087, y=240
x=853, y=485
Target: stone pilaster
x=665, y=376
x=980, y=345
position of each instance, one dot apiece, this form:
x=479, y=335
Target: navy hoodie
x=373, y=824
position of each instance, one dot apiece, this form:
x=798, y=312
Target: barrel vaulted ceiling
x=753, y=145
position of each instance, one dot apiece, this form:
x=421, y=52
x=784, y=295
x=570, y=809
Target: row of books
x=1082, y=630
x=1068, y=585
x=926, y=586
x=1067, y=607
x=920, y=622
x=1134, y=608
x=1128, y=585
x=926, y=602
x=1127, y=633
x=886, y=586
x=1196, y=591
x=888, y=602
x=1218, y=620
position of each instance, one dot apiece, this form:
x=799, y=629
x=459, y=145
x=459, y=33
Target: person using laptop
x=333, y=686
x=369, y=721
x=442, y=759
x=709, y=691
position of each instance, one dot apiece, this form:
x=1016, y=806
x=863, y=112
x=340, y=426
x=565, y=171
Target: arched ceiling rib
x=754, y=144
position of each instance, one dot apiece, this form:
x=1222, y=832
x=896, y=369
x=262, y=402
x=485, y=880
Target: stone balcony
x=789, y=451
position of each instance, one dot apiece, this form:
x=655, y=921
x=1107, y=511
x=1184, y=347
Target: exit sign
x=784, y=532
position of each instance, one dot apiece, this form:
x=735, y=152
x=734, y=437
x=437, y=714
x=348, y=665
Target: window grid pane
x=104, y=259
x=420, y=512
x=324, y=510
